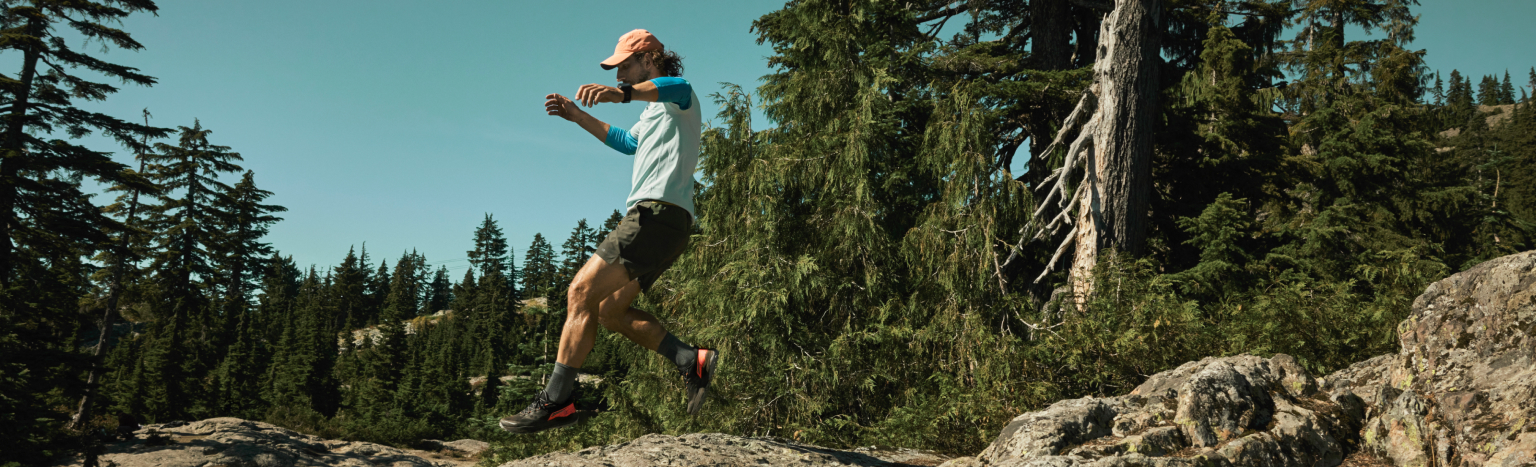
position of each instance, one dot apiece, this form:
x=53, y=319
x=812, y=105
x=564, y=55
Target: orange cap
x=638, y=40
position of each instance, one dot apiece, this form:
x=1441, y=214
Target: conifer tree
x=185, y=270
x=1507, y=90
x=40, y=178
x=187, y=226
x=300, y=382
x=1532, y=83
x=439, y=292
x=47, y=222
x=491, y=252
x=540, y=275
x=1438, y=91
x=122, y=260
x=352, y=281
x=244, y=220
x=1488, y=92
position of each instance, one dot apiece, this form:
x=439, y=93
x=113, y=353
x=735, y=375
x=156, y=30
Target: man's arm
x=664, y=89
x=617, y=138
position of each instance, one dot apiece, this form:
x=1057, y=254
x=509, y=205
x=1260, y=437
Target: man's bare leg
x=600, y=295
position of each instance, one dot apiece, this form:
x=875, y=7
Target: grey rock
x=1048, y=432
x=236, y=442
x=715, y=449
x=1241, y=410
x=1459, y=390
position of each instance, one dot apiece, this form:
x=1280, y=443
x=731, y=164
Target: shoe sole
x=562, y=422
x=696, y=400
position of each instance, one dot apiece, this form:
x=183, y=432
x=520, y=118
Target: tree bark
x=1051, y=34
x=1113, y=215
x=13, y=155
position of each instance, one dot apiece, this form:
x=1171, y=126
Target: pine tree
x=122, y=270
x=350, y=287
x=185, y=270
x=375, y=292
x=1533, y=80
x=40, y=178
x=540, y=276
x=439, y=292
x=47, y=222
x=491, y=252
x=1489, y=92
x=1438, y=91
x=244, y=220
x=1507, y=90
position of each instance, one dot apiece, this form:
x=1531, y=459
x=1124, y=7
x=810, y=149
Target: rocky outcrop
x=724, y=450
x=1460, y=392
x=236, y=442
x=1242, y=410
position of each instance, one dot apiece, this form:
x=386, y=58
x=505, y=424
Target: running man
x=654, y=232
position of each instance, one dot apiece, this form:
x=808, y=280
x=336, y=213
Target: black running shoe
x=698, y=379
x=542, y=415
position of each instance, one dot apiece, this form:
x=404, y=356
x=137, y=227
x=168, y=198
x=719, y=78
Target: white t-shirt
x=666, y=154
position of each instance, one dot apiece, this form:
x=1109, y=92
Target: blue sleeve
x=620, y=140
x=674, y=90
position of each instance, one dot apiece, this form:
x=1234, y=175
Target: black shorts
x=651, y=236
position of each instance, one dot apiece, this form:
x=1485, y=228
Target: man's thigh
x=599, y=280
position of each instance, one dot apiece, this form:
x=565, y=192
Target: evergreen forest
x=870, y=267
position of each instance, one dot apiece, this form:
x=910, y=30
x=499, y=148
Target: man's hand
x=567, y=109
x=562, y=107
x=591, y=94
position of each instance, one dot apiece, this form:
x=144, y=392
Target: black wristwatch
x=627, y=91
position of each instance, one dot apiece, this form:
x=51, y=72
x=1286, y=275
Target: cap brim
x=615, y=60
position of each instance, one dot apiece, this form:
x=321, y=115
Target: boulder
x=715, y=449
x=1462, y=388
x=1241, y=410
x=232, y=441
x=1460, y=392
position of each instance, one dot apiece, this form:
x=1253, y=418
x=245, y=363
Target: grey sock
x=561, y=383
x=683, y=355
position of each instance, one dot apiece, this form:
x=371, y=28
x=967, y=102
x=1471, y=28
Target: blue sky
x=401, y=124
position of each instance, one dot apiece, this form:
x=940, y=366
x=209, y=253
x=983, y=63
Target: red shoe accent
x=700, y=366
x=569, y=409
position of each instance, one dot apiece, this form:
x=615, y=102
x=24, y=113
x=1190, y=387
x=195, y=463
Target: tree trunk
x=12, y=156
x=1051, y=34
x=1113, y=215
x=109, y=319
x=1087, y=32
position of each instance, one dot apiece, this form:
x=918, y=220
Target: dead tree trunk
x=1101, y=191
x=1114, y=215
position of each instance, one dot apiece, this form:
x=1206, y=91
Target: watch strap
x=628, y=92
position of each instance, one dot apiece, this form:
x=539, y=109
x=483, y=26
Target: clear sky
x=401, y=124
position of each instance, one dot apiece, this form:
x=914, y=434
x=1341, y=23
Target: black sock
x=561, y=383
x=683, y=355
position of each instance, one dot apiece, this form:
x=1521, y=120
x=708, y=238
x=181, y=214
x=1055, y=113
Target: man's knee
x=581, y=296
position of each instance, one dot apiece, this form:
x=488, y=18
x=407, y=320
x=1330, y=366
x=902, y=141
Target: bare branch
x=1051, y=266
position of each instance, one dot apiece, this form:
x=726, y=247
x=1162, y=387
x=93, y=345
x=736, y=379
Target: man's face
x=634, y=70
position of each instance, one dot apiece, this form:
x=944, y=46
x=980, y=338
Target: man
x=654, y=232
